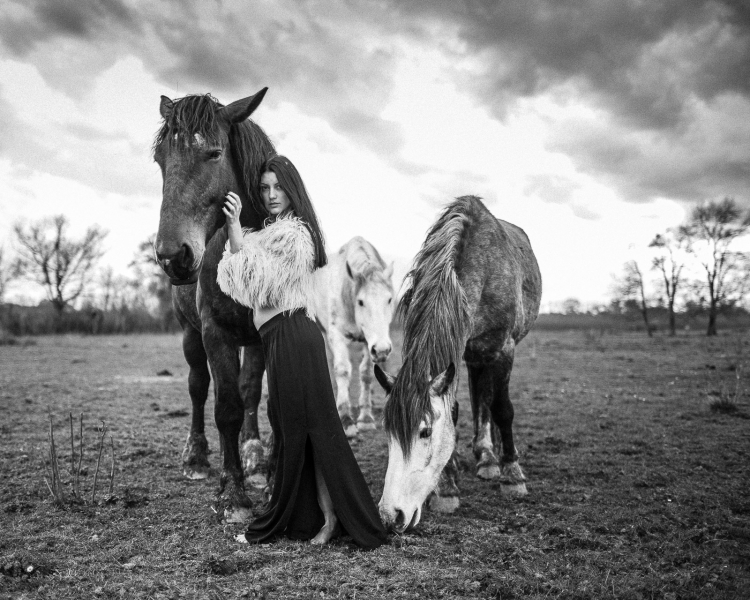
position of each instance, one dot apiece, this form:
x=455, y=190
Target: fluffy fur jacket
x=274, y=267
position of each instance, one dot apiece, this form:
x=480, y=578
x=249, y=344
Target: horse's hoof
x=488, y=472
x=443, y=504
x=237, y=514
x=350, y=427
x=195, y=473
x=513, y=490
x=367, y=425
x=253, y=463
x=256, y=480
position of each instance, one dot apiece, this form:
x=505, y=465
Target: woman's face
x=274, y=197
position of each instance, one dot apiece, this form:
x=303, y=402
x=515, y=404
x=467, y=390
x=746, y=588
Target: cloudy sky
x=591, y=124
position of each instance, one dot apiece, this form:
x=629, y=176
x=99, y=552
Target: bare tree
x=709, y=232
x=8, y=272
x=152, y=280
x=48, y=256
x=670, y=264
x=632, y=287
x=108, y=283
x=737, y=283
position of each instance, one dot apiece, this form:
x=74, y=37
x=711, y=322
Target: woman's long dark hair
x=299, y=201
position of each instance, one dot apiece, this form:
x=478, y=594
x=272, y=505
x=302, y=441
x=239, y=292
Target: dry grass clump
x=727, y=401
x=51, y=463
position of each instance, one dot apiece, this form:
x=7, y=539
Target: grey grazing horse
x=474, y=290
x=204, y=150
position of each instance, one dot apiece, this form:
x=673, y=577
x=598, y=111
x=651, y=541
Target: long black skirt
x=306, y=426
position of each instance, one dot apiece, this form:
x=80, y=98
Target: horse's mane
x=197, y=114
x=436, y=317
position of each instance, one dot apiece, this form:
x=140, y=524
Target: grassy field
x=637, y=488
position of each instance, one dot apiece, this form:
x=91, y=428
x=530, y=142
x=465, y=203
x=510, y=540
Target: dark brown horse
x=474, y=291
x=204, y=150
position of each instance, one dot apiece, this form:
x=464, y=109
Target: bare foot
x=328, y=531
x=240, y=538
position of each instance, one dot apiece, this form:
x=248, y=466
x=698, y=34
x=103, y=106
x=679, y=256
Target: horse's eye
x=425, y=433
x=214, y=154
x=361, y=303
x=389, y=300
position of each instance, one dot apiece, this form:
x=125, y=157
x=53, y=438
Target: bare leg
x=330, y=526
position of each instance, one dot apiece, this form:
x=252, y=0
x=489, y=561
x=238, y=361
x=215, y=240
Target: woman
x=318, y=487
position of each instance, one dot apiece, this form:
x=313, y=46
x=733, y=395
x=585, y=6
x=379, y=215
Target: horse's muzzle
x=380, y=352
x=182, y=268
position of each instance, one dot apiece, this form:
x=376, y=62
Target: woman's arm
x=232, y=208
x=273, y=267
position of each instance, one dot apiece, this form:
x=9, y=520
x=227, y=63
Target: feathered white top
x=274, y=267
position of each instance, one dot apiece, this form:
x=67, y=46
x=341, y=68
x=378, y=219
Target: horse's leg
x=254, y=464
x=481, y=393
x=342, y=370
x=223, y=357
x=195, y=455
x=272, y=448
x=365, y=420
x=445, y=497
x=512, y=479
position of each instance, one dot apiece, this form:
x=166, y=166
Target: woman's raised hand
x=232, y=208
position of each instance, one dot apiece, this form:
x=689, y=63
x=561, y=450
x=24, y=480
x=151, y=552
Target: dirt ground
x=637, y=488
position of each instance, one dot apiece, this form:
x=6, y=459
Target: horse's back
x=499, y=273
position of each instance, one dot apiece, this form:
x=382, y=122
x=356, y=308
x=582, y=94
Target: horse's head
x=196, y=149
x=373, y=308
x=421, y=439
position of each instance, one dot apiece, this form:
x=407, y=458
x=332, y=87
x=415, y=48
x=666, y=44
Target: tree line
x=697, y=263
x=81, y=296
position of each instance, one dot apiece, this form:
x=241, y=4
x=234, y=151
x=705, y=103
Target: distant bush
x=16, y=320
x=632, y=321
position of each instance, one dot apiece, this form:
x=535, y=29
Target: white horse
x=354, y=304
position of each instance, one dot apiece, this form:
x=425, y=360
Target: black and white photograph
x=375, y=299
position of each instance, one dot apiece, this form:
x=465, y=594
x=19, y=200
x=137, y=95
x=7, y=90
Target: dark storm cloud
x=25, y=24
x=307, y=54
x=642, y=57
x=306, y=57
x=81, y=17
x=645, y=65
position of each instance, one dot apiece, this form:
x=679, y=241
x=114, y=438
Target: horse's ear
x=384, y=379
x=165, y=107
x=388, y=271
x=241, y=109
x=440, y=384
x=349, y=270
